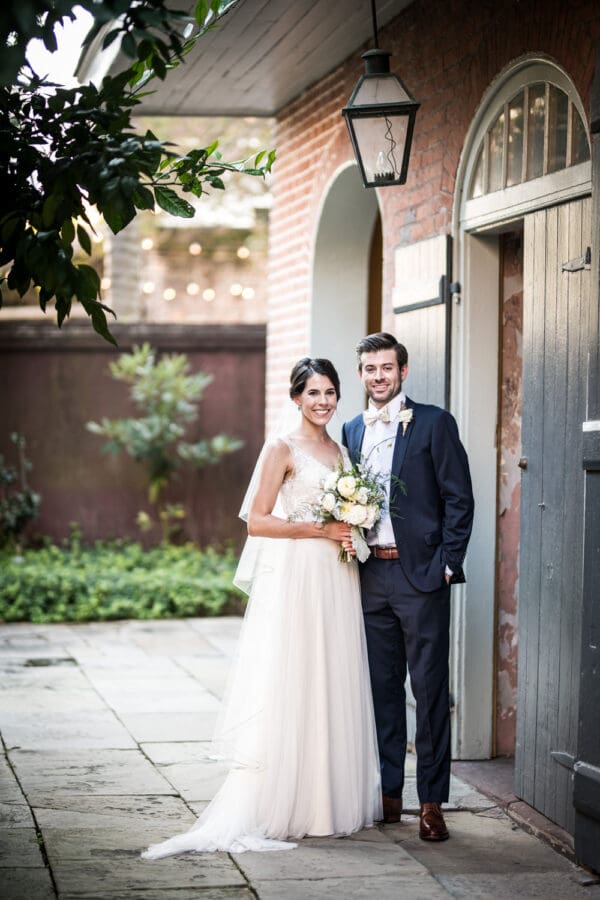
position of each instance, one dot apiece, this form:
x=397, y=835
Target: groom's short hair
x=381, y=340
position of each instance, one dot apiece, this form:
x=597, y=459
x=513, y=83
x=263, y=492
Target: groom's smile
x=381, y=375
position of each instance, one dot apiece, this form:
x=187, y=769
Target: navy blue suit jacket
x=432, y=522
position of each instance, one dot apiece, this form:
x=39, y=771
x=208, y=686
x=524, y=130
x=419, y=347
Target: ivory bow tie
x=370, y=416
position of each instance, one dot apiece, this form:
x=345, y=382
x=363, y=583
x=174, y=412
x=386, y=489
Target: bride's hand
x=337, y=531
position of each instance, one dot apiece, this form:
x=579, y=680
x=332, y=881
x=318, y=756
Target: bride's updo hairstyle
x=305, y=368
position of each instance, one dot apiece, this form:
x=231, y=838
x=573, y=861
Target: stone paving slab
x=210, y=672
x=16, y=815
x=195, y=783
x=125, y=872
x=375, y=887
x=48, y=701
x=188, y=767
x=479, y=845
x=154, y=695
x=66, y=845
x=210, y=893
x=85, y=811
x=19, y=845
x=150, y=727
x=10, y=792
x=170, y=753
x=179, y=642
x=330, y=858
x=132, y=663
x=98, y=729
x=528, y=886
x=45, y=777
x=52, y=678
x=27, y=884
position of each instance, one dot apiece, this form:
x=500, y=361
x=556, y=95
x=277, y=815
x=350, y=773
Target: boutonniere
x=406, y=417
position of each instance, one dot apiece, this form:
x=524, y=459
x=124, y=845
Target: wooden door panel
x=555, y=310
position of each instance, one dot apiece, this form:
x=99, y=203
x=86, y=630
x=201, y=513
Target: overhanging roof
x=261, y=55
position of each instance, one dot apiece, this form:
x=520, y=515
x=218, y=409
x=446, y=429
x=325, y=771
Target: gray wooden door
x=555, y=331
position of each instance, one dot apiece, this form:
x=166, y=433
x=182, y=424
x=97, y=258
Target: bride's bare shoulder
x=277, y=450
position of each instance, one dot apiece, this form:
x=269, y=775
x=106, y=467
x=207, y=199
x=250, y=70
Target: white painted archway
x=340, y=280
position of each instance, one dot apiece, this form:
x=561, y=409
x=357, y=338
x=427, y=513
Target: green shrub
x=116, y=580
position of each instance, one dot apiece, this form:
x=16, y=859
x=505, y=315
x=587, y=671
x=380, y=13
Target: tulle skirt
x=297, y=722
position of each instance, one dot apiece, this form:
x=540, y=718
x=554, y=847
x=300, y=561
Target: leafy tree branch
x=63, y=150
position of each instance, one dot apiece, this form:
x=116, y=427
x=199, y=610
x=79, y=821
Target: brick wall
x=448, y=54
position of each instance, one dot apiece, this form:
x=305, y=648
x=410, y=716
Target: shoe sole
x=436, y=839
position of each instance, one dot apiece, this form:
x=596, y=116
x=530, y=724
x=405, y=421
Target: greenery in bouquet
x=353, y=494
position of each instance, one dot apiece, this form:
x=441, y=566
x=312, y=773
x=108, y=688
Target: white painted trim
x=591, y=425
x=525, y=71
x=474, y=609
x=515, y=202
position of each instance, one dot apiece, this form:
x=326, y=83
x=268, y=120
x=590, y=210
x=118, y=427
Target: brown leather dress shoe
x=392, y=808
x=431, y=823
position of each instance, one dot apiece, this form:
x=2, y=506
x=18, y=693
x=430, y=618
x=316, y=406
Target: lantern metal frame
x=377, y=65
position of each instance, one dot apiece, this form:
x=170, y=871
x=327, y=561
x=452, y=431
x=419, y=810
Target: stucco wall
x=54, y=382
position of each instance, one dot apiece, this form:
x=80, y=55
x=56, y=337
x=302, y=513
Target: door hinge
x=581, y=262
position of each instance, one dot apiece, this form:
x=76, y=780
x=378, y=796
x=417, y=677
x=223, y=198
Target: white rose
x=371, y=517
x=356, y=515
x=362, y=495
x=330, y=482
x=328, y=502
x=346, y=485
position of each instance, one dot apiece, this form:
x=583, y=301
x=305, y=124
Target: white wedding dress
x=297, y=722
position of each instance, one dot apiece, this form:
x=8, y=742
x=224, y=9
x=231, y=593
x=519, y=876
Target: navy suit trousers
x=407, y=628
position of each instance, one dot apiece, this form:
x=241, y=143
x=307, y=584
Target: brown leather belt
x=385, y=552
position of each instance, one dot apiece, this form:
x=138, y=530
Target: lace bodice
x=301, y=492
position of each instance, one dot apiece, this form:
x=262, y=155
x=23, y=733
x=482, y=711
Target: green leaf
x=100, y=325
x=110, y=38
x=84, y=240
x=63, y=309
x=143, y=198
x=49, y=208
x=200, y=12
x=172, y=203
x=67, y=233
x=128, y=46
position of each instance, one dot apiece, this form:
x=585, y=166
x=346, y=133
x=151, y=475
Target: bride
x=297, y=723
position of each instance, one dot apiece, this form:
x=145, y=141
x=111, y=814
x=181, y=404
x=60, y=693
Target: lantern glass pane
x=381, y=89
x=381, y=141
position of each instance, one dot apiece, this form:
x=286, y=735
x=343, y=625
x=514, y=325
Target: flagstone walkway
x=105, y=729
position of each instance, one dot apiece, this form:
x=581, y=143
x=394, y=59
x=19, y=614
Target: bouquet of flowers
x=355, y=495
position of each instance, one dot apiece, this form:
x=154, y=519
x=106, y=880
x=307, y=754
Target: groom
x=417, y=551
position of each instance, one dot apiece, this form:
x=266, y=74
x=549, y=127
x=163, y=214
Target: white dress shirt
x=377, y=453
